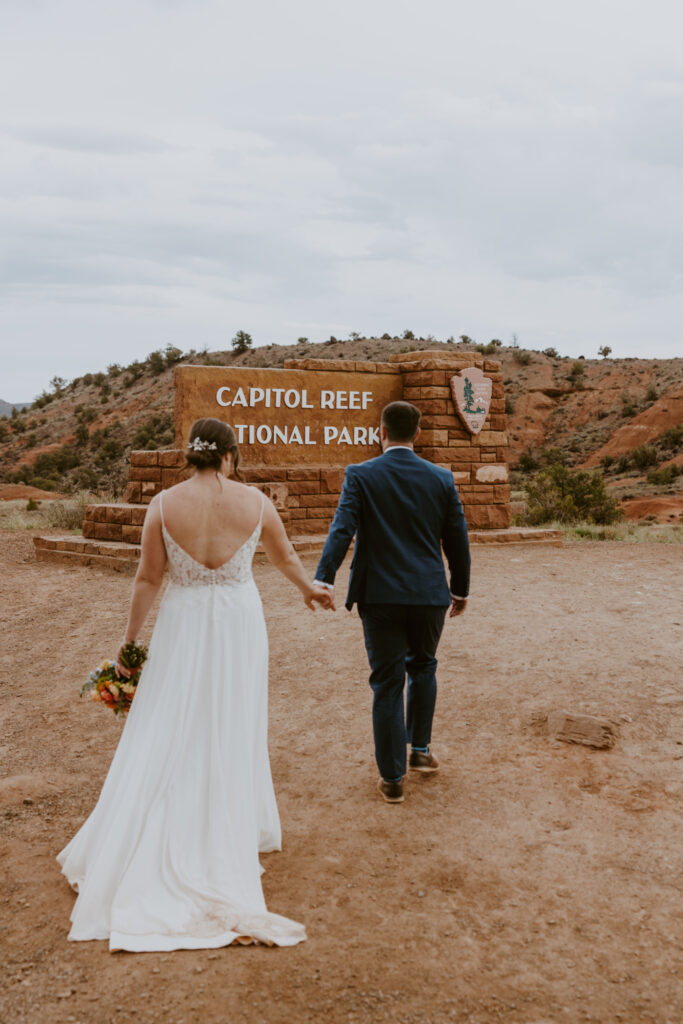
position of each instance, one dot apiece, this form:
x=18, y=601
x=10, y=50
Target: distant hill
x=596, y=411
x=6, y=407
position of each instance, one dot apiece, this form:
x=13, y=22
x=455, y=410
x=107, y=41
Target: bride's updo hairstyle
x=209, y=442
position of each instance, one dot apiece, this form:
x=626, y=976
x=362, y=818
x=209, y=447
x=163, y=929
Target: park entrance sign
x=289, y=417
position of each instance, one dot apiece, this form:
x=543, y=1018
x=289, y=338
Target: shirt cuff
x=456, y=598
x=321, y=583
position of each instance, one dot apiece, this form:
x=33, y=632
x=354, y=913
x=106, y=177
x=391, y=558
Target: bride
x=168, y=859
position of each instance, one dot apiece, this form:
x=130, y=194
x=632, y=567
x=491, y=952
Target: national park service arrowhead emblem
x=472, y=397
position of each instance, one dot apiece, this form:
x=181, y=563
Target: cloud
x=371, y=167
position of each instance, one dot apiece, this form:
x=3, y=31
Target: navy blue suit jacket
x=401, y=509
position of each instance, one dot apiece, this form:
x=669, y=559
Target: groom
x=401, y=510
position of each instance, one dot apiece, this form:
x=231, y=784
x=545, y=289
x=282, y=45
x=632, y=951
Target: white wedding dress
x=168, y=859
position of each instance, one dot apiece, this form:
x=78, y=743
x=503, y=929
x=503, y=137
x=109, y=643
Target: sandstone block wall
x=306, y=495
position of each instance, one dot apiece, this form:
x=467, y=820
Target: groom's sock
x=420, y=750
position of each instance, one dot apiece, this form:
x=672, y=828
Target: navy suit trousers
x=401, y=639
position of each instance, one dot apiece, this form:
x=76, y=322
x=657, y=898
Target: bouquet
x=117, y=692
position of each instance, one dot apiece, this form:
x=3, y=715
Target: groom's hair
x=401, y=420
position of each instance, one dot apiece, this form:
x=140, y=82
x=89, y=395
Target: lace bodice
x=185, y=571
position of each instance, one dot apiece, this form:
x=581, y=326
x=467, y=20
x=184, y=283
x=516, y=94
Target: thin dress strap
x=161, y=509
x=263, y=505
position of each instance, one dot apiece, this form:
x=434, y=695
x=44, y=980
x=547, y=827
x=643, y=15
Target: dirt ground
x=528, y=882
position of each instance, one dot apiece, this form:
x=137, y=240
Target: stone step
x=70, y=550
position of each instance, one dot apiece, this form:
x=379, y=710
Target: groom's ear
x=417, y=434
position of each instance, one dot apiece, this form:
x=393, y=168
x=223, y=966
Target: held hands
x=458, y=605
x=316, y=594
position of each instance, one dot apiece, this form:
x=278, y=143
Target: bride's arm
x=281, y=553
x=150, y=574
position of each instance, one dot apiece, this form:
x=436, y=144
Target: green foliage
x=665, y=476
x=522, y=357
x=54, y=464
x=607, y=461
x=652, y=394
x=82, y=435
x=527, y=463
x=87, y=379
x=577, y=369
x=623, y=464
x=672, y=439
x=569, y=496
x=628, y=408
x=98, y=379
x=301, y=341
x=408, y=336
x=643, y=456
x=466, y=340
x=604, y=351
x=4, y=433
x=114, y=369
x=172, y=355
x=58, y=384
x=242, y=342
x=155, y=433
x=156, y=362
x=509, y=405
x=552, y=353
x=32, y=505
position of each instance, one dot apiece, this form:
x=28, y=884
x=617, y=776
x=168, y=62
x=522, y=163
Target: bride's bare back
x=211, y=518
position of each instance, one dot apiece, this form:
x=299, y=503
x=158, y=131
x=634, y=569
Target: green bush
x=156, y=362
x=643, y=456
x=665, y=476
x=32, y=505
x=552, y=353
x=577, y=369
x=172, y=355
x=628, y=408
x=569, y=496
x=527, y=463
x=652, y=394
x=155, y=433
x=672, y=439
x=242, y=342
x=522, y=357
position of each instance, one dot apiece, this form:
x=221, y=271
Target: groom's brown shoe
x=392, y=792
x=419, y=762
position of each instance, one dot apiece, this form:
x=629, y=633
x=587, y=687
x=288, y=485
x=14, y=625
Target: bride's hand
x=319, y=595
x=121, y=670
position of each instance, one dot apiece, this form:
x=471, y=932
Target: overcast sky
x=172, y=171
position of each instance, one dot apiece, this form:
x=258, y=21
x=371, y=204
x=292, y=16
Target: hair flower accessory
x=197, y=445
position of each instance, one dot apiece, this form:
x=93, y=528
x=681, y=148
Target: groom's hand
x=458, y=605
x=323, y=596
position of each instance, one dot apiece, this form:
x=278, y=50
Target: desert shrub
x=32, y=505
x=577, y=369
x=386, y=337
x=408, y=336
x=68, y=515
x=552, y=353
x=82, y=435
x=43, y=483
x=156, y=362
x=628, y=408
x=604, y=351
x=4, y=432
x=87, y=379
x=643, y=456
x=623, y=464
x=155, y=432
x=527, y=463
x=509, y=405
x=19, y=425
x=602, y=414
x=172, y=355
x=521, y=356
x=242, y=342
x=652, y=394
x=569, y=496
x=665, y=476
x=52, y=465
x=554, y=456
x=672, y=439
x=114, y=369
